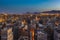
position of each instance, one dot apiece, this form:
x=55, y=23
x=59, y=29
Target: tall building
x=6, y=34
x=57, y=33
x=15, y=33
x=41, y=35
x=24, y=33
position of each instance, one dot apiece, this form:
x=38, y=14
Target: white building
x=41, y=35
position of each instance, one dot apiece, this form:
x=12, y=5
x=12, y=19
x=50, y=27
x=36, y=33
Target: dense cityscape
x=29, y=19
x=43, y=26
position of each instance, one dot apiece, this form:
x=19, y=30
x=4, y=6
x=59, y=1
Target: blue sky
x=21, y=6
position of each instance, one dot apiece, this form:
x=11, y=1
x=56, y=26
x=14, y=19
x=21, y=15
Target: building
x=24, y=35
x=41, y=35
x=57, y=33
x=6, y=34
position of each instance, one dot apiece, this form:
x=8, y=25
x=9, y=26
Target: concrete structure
x=6, y=34
x=41, y=35
x=57, y=34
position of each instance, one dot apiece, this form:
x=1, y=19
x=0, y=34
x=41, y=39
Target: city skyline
x=22, y=6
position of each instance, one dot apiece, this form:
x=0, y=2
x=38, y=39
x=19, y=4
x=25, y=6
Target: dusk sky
x=21, y=6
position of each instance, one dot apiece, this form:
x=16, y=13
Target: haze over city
x=22, y=6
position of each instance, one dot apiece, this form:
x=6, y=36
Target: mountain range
x=52, y=11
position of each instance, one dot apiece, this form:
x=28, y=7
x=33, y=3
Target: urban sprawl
x=43, y=26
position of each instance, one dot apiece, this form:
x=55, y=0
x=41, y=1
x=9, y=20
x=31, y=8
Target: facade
x=24, y=33
x=6, y=34
x=56, y=34
x=23, y=38
x=41, y=35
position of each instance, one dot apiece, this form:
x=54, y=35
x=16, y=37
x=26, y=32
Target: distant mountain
x=53, y=11
x=32, y=13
